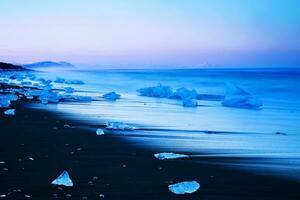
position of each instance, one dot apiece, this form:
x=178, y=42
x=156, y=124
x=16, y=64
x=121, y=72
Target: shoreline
x=107, y=165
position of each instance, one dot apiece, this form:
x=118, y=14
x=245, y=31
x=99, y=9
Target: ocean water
x=207, y=130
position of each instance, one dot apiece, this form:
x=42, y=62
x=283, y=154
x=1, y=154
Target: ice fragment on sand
x=165, y=155
x=157, y=91
x=63, y=179
x=111, y=96
x=10, y=112
x=99, y=131
x=2, y=196
x=5, y=99
x=186, y=187
x=119, y=126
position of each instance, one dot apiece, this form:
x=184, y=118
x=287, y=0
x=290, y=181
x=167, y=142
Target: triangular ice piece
x=63, y=179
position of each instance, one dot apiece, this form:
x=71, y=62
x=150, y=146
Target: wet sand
x=109, y=166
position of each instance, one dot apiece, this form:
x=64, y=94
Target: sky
x=157, y=33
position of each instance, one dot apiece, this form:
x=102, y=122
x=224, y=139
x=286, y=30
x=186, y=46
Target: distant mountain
x=10, y=67
x=48, y=64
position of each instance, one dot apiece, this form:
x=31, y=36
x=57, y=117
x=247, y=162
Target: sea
x=264, y=141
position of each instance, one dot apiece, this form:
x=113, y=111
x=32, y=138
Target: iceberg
x=157, y=91
x=111, y=96
x=165, y=156
x=120, y=126
x=63, y=179
x=186, y=187
x=242, y=102
x=239, y=98
x=10, y=112
x=99, y=131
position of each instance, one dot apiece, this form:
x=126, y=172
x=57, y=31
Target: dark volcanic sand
x=122, y=171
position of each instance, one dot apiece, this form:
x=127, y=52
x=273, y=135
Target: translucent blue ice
x=165, y=156
x=63, y=179
x=119, y=126
x=111, y=96
x=99, y=131
x=157, y=91
x=75, y=82
x=10, y=112
x=186, y=187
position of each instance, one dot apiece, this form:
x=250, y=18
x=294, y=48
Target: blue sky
x=190, y=33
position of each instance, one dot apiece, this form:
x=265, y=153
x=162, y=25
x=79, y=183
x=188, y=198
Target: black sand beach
x=108, y=167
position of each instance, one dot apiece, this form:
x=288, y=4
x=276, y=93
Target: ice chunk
x=186, y=187
x=239, y=98
x=111, y=96
x=232, y=90
x=5, y=99
x=75, y=82
x=165, y=156
x=119, y=126
x=83, y=98
x=49, y=96
x=183, y=93
x=99, y=131
x=69, y=90
x=26, y=83
x=242, y=102
x=10, y=112
x=59, y=80
x=63, y=179
x=157, y=91
x=188, y=102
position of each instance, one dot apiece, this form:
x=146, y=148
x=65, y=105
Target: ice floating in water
x=99, y=131
x=239, y=98
x=242, y=102
x=233, y=90
x=83, y=98
x=183, y=93
x=10, y=112
x=63, y=179
x=119, y=126
x=59, y=80
x=75, y=82
x=186, y=187
x=69, y=90
x=157, y=91
x=189, y=102
x=111, y=96
x=49, y=96
x=165, y=156
x=188, y=97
